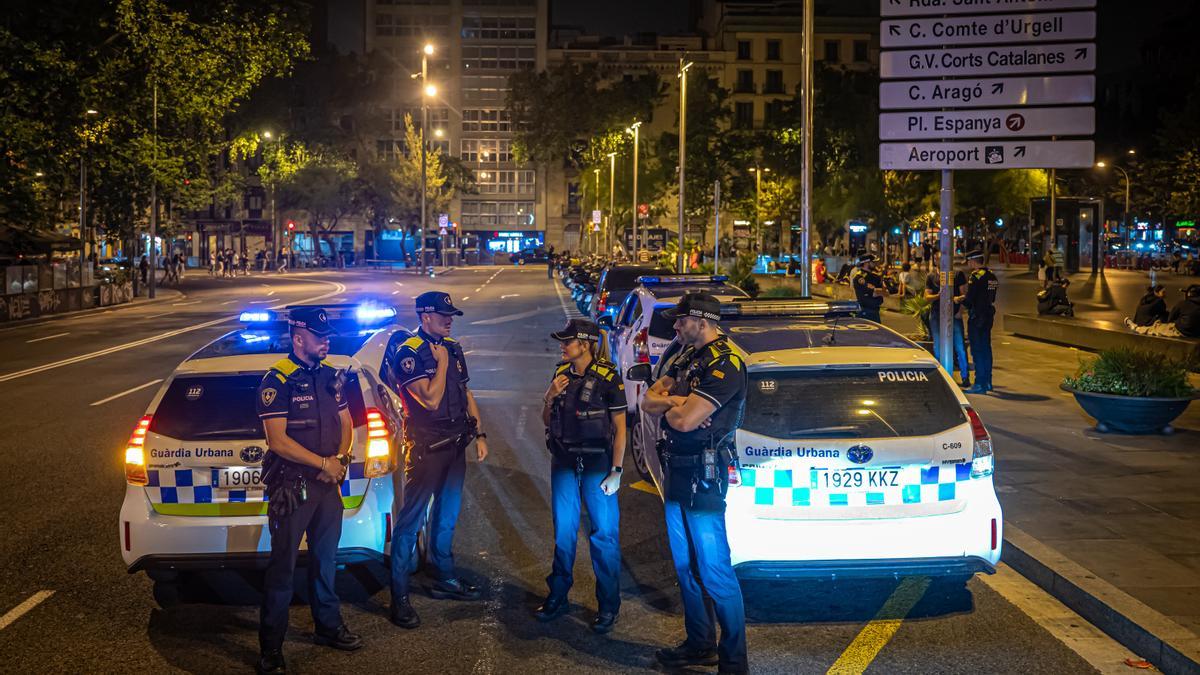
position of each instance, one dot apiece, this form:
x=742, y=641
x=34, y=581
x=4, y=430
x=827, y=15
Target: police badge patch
x=408, y=364
x=268, y=396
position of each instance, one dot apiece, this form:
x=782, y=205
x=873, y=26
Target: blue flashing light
x=256, y=317
x=369, y=313
x=253, y=337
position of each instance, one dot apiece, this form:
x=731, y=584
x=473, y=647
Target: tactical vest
x=579, y=419
x=313, y=418
x=453, y=407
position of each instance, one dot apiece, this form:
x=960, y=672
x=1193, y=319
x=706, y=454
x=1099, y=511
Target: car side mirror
x=638, y=373
x=604, y=321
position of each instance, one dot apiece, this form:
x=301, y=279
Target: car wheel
x=639, y=452
x=167, y=593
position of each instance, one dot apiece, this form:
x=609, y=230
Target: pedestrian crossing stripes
x=568, y=307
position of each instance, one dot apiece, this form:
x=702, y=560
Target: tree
x=325, y=189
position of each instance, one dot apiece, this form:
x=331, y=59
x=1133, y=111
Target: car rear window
x=660, y=326
x=625, y=278
x=223, y=407
x=850, y=403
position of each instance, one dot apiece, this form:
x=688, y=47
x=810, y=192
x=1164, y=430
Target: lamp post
x=633, y=129
x=596, y=240
x=1125, y=214
x=428, y=90
x=758, y=172
x=612, y=166
x=683, y=68
x=83, y=238
x=154, y=199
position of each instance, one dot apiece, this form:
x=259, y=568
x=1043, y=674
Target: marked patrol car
x=857, y=454
x=193, y=465
x=639, y=333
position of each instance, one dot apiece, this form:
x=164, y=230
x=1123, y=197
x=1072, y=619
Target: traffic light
x=291, y=226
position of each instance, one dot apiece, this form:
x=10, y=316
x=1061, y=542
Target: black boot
x=686, y=655
x=454, y=589
x=403, y=614
x=604, y=622
x=341, y=639
x=551, y=609
x=270, y=661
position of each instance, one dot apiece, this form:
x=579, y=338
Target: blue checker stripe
x=152, y=478
x=776, y=487
x=801, y=497
x=962, y=471
x=929, y=475
x=202, y=494
x=356, y=470
x=748, y=477
x=237, y=495
x=168, y=495
x=839, y=499
x=783, y=478
x=764, y=496
x=946, y=492
x=183, y=478
x=911, y=494
x=874, y=498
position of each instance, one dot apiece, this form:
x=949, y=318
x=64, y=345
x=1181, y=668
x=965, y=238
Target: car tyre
x=167, y=594
x=638, y=452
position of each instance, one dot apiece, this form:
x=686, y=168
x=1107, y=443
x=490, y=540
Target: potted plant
x=1131, y=391
x=918, y=306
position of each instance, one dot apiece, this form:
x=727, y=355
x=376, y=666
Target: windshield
x=624, y=279
x=850, y=403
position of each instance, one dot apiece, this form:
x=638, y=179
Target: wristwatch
x=617, y=469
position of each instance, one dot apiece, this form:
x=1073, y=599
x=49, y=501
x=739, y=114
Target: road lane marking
x=260, y=302
x=181, y=304
x=155, y=316
x=644, y=486
x=879, y=630
x=114, y=397
x=480, y=288
x=510, y=295
x=23, y=608
x=508, y=318
x=48, y=337
x=271, y=293
x=466, y=297
x=229, y=302
x=395, y=292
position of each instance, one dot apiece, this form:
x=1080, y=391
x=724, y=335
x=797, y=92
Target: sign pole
x=716, y=227
x=946, y=272
x=806, y=134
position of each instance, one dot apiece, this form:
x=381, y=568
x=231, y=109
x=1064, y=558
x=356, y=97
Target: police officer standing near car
x=308, y=429
x=441, y=421
x=980, y=301
x=584, y=413
x=868, y=288
x=701, y=400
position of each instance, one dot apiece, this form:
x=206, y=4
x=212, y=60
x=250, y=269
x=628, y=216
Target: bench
x=1098, y=335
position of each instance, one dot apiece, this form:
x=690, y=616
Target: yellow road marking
x=872, y=638
x=644, y=487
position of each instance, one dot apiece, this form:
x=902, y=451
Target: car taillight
x=380, y=460
x=602, y=303
x=135, y=454
x=982, y=460
x=641, y=346
x=735, y=476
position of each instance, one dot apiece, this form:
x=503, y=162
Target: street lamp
x=596, y=207
x=429, y=91
x=1125, y=216
x=683, y=68
x=633, y=129
x=758, y=172
x=612, y=166
x=83, y=238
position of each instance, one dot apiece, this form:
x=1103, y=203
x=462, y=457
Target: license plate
x=238, y=478
x=855, y=479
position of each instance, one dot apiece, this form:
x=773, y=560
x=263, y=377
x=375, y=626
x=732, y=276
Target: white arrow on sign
x=988, y=123
x=933, y=7
x=990, y=29
x=987, y=92
x=971, y=61
x=988, y=155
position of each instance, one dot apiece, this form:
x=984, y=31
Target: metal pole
x=1053, y=205
x=1125, y=216
x=946, y=297
x=612, y=177
x=424, y=176
x=636, y=246
x=597, y=239
x=717, y=227
x=683, y=68
x=154, y=199
x=758, y=208
x=806, y=135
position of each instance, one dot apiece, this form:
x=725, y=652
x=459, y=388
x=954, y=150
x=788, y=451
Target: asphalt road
x=68, y=605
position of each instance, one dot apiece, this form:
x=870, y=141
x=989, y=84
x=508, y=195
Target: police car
x=193, y=464
x=856, y=455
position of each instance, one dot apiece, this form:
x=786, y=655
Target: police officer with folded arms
x=701, y=400
x=308, y=429
x=980, y=301
x=868, y=288
x=441, y=421
x=584, y=412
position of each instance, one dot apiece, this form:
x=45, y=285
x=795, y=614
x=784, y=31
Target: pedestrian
x=910, y=285
x=868, y=288
x=1043, y=273
x=584, y=413
x=1151, y=309
x=933, y=288
x=442, y=420
x=212, y=263
x=283, y=261
x=144, y=268
x=180, y=265
x=260, y=261
x=701, y=400
x=980, y=301
x=1053, y=301
x=308, y=450
x=550, y=262
x=1183, y=320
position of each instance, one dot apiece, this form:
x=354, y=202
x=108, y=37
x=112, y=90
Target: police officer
x=441, y=421
x=868, y=288
x=701, y=400
x=980, y=301
x=308, y=430
x=584, y=413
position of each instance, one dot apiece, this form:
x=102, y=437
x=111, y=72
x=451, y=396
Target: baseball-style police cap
x=312, y=319
x=577, y=329
x=436, y=301
x=975, y=255
x=868, y=258
x=700, y=305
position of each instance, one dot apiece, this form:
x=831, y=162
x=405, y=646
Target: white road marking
x=466, y=297
x=21, y=609
x=510, y=295
x=399, y=283
x=508, y=318
x=395, y=292
x=229, y=302
x=190, y=302
x=127, y=391
x=260, y=302
x=271, y=293
x=480, y=288
x=48, y=337
x=155, y=316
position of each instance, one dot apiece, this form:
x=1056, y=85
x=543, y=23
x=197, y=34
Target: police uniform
x=436, y=461
x=980, y=302
x=299, y=504
x=580, y=442
x=695, y=498
x=865, y=283
x=933, y=284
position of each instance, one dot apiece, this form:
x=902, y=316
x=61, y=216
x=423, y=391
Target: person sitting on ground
x=1183, y=321
x=1054, y=300
x=1151, y=309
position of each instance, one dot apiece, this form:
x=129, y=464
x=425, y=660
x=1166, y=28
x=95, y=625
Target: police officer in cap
x=701, y=400
x=441, y=421
x=868, y=288
x=980, y=301
x=308, y=429
x=584, y=413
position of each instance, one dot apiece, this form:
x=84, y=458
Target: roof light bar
x=370, y=313
x=683, y=279
x=800, y=307
x=256, y=317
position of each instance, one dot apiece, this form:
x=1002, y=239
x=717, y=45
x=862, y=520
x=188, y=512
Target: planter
x=1131, y=414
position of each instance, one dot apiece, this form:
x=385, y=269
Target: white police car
x=857, y=454
x=193, y=465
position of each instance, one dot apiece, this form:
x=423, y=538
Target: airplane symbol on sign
x=1015, y=122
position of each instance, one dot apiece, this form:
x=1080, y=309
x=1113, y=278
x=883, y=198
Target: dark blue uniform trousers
x=438, y=475
x=320, y=517
x=870, y=314
x=711, y=594
x=569, y=490
x=979, y=332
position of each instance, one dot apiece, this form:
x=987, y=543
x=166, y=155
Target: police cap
x=312, y=319
x=700, y=305
x=577, y=329
x=866, y=258
x=975, y=255
x=436, y=302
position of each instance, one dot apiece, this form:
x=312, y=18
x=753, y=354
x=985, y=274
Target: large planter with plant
x=1132, y=392
x=918, y=307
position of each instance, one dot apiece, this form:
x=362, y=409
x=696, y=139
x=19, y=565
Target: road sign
x=596, y=216
x=989, y=123
x=1004, y=60
x=987, y=92
x=443, y=221
x=987, y=155
x=931, y=7
x=989, y=29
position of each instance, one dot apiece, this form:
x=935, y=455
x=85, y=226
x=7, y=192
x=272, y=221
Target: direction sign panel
x=931, y=7
x=1006, y=60
x=987, y=155
x=990, y=29
x=596, y=216
x=987, y=92
x=988, y=123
